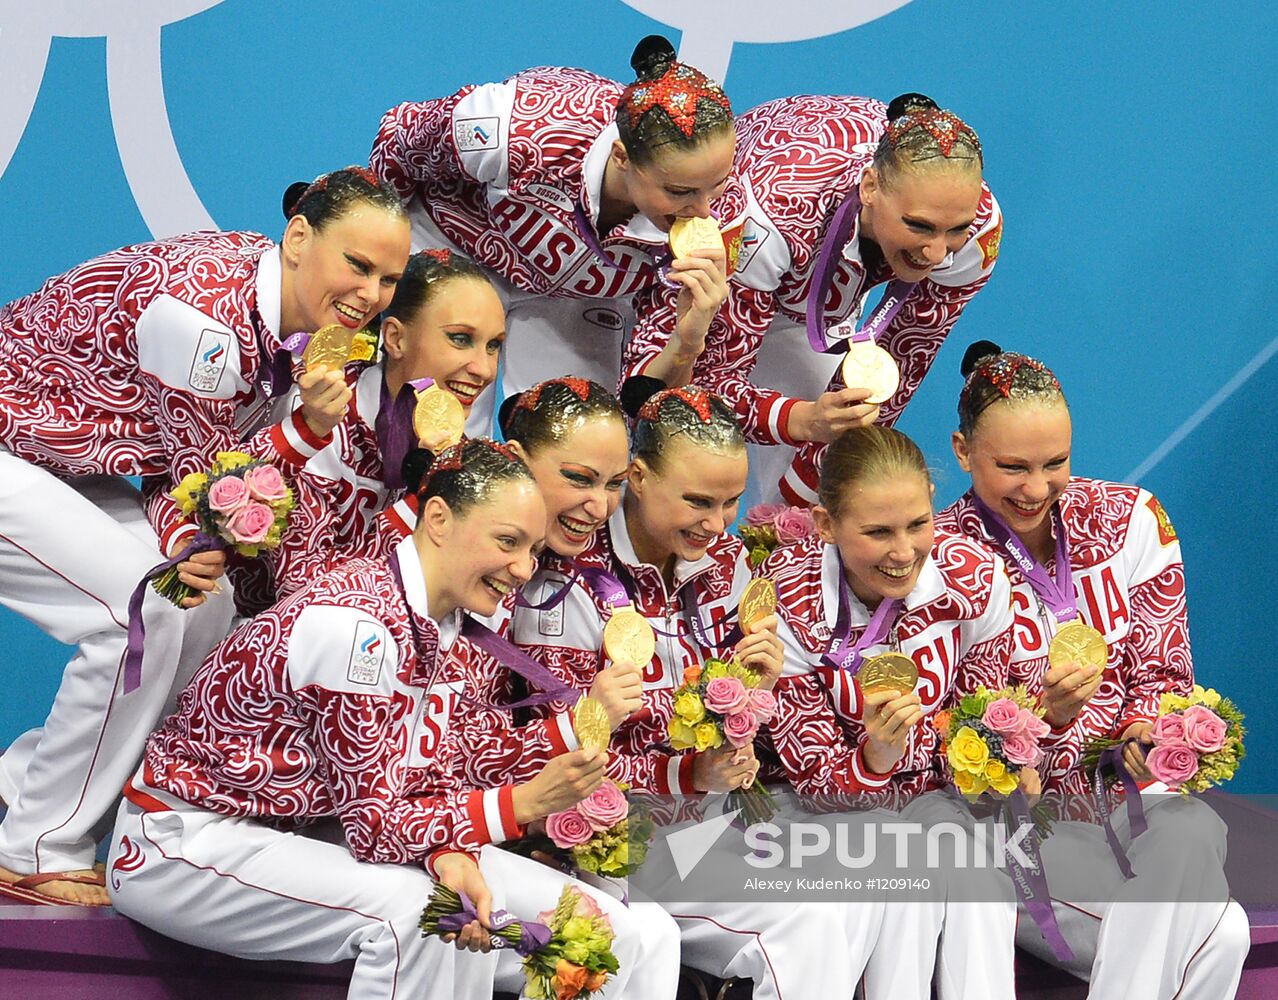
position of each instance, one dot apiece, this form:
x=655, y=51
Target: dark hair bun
x=507, y=409
x=906, y=103
x=977, y=353
x=414, y=468
x=638, y=390
x=292, y=195
x=652, y=57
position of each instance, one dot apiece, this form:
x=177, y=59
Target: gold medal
x=687, y=235
x=591, y=725
x=438, y=418
x=1077, y=642
x=628, y=638
x=868, y=366
x=888, y=670
x=758, y=600
x=329, y=347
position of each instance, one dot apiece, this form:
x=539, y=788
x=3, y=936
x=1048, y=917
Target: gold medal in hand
x=439, y=419
x=689, y=234
x=758, y=600
x=888, y=670
x=590, y=724
x=868, y=366
x=628, y=638
x=328, y=348
x=1077, y=642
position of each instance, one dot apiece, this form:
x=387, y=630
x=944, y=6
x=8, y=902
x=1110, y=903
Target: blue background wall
x=1130, y=147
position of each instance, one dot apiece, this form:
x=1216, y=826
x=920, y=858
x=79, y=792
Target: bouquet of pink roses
x=768, y=525
x=602, y=832
x=988, y=737
x=1198, y=741
x=241, y=502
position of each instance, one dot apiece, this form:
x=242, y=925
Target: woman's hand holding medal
x=831, y=414
x=889, y=717
x=560, y=785
x=325, y=397
x=619, y=689
x=1067, y=687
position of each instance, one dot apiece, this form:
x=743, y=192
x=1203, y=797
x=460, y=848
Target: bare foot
x=84, y=887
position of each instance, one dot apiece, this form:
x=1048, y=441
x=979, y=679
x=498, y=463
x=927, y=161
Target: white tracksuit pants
x=71, y=552
x=1126, y=945
x=236, y=886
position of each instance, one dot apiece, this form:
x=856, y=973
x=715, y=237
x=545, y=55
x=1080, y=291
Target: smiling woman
x=148, y=361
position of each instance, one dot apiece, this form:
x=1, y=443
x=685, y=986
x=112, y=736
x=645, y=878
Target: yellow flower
x=708, y=736
x=183, y=494
x=682, y=735
x=1206, y=696
x=968, y=752
x=365, y=346
x=228, y=460
x=999, y=779
x=971, y=785
x=1170, y=702
x=689, y=708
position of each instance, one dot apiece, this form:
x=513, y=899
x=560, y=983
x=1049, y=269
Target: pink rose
x=1172, y=763
x=265, y=483
x=1169, y=729
x=726, y=694
x=763, y=514
x=1021, y=749
x=1003, y=716
x=251, y=523
x=740, y=727
x=568, y=828
x=1204, y=729
x=794, y=524
x=763, y=704
x=605, y=807
x=1032, y=726
x=228, y=494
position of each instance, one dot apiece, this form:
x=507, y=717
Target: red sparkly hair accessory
x=364, y=174
x=529, y=399
x=1000, y=371
x=692, y=396
x=444, y=257
x=448, y=460
x=943, y=126
x=677, y=92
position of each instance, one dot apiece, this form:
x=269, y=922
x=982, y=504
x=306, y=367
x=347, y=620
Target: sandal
x=26, y=890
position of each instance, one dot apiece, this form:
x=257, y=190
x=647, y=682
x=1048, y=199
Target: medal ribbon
x=836, y=238
x=533, y=936
x=137, y=625
x=510, y=656
x=842, y=653
x=1058, y=593
x=1112, y=759
x=394, y=428
x=700, y=632
x=586, y=230
x=1031, y=883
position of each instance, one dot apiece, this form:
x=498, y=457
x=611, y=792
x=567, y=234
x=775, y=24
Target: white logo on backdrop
x=711, y=27
x=135, y=87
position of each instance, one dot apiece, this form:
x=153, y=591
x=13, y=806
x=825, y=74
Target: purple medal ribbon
x=1031, y=883
x=1058, y=593
x=836, y=238
x=137, y=625
x=586, y=230
x=394, y=428
x=510, y=656
x=700, y=632
x=533, y=936
x=1112, y=759
x=842, y=653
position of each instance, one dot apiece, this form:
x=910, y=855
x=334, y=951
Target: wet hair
x=669, y=104
x=424, y=275
x=546, y=414
x=991, y=374
x=463, y=475
x=331, y=196
x=866, y=454
x=688, y=410
x=919, y=132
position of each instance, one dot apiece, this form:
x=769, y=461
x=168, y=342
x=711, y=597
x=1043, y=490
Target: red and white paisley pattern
x=959, y=637
x=1130, y=586
x=245, y=742
x=75, y=399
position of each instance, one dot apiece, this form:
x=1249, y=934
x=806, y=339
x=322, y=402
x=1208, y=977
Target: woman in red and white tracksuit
x=444, y=323
x=317, y=710
x=665, y=552
x=877, y=577
x=917, y=212
x=564, y=186
x=147, y=362
x=1171, y=930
